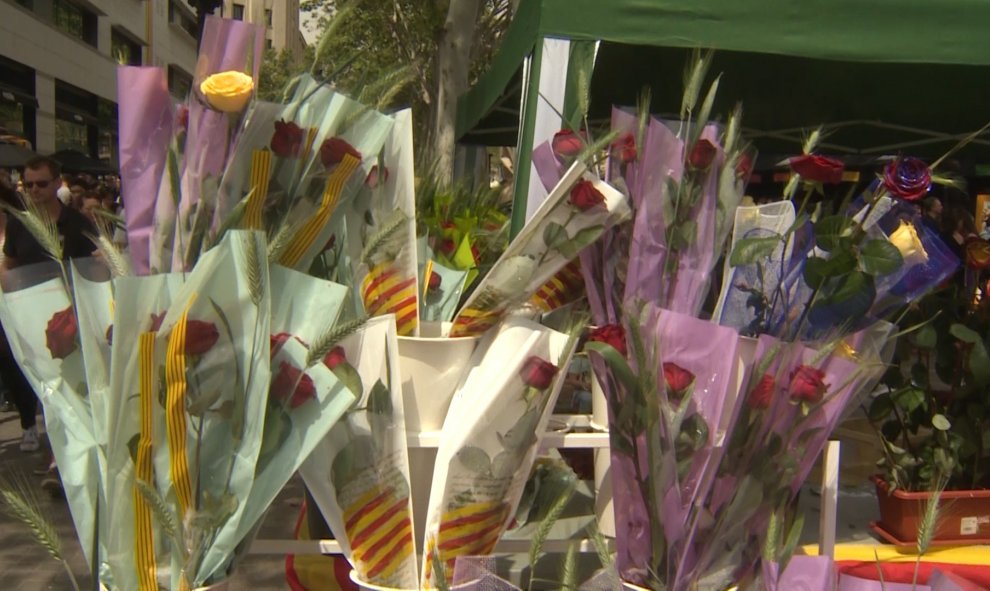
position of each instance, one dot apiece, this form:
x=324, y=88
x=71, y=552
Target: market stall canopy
x=885, y=76
x=75, y=161
x=14, y=155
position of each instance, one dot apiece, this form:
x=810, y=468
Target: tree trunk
x=453, y=67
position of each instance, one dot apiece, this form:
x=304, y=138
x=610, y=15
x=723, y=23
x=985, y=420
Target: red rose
x=762, y=395
x=808, y=385
x=566, y=144
x=292, y=386
x=435, y=280
x=744, y=168
x=625, y=148
x=334, y=149
x=907, y=178
x=182, y=118
x=287, y=141
x=538, y=373
x=475, y=253
x=335, y=357
x=109, y=335
x=610, y=334
x=584, y=195
x=447, y=246
x=702, y=154
x=275, y=343
x=819, y=169
x=372, y=179
x=61, y=333
x=677, y=378
x=330, y=243
x=200, y=337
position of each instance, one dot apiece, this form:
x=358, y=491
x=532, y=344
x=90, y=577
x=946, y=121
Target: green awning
x=889, y=73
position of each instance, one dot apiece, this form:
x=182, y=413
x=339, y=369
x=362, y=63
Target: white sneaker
x=29, y=440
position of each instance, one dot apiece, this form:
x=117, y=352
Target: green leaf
x=348, y=376
x=818, y=270
x=964, y=333
x=926, y=337
x=616, y=362
x=571, y=248
x=909, y=399
x=830, y=232
x=880, y=409
x=474, y=459
x=198, y=405
x=879, y=257
x=856, y=284
x=554, y=235
x=941, y=423
x=751, y=250
x=380, y=400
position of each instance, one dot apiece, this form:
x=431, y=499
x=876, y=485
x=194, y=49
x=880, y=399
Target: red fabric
x=903, y=572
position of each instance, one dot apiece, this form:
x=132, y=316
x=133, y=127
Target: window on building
x=179, y=82
x=181, y=18
x=268, y=17
x=268, y=43
x=75, y=20
x=124, y=50
x=107, y=140
x=29, y=4
x=237, y=12
x=18, y=105
x=76, y=119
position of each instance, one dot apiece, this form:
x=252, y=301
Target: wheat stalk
x=115, y=260
x=232, y=220
x=20, y=501
x=929, y=523
x=542, y=532
x=40, y=225
x=386, y=234
x=279, y=242
x=326, y=341
x=164, y=515
x=256, y=284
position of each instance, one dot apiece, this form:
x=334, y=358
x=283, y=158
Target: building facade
x=58, y=61
x=279, y=17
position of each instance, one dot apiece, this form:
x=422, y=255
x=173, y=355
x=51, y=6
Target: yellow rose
x=228, y=91
x=905, y=238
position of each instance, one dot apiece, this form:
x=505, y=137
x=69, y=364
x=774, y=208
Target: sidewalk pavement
x=26, y=566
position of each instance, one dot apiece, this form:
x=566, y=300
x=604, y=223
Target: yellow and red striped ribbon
x=312, y=228
x=473, y=529
x=175, y=411
x=144, y=540
x=385, y=291
x=564, y=287
x=261, y=174
x=474, y=321
x=379, y=529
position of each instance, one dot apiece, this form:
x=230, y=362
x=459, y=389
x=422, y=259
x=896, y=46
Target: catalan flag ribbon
x=378, y=523
x=466, y=530
x=385, y=291
x=564, y=287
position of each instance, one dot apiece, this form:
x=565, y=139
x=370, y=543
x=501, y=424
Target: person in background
x=931, y=213
x=78, y=187
x=90, y=203
x=41, y=181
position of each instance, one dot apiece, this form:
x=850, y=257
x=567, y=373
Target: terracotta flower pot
x=964, y=516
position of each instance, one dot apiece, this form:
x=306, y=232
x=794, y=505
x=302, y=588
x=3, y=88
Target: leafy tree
x=420, y=53
x=277, y=69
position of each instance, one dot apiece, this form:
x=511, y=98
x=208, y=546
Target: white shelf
x=551, y=439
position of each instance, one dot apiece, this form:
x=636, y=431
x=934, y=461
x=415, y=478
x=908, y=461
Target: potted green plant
x=934, y=418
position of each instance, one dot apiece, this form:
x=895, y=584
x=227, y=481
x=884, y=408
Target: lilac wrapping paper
x=803, y=573
x=146, y=127
x=710, y=353
x=548, y=167
x=227, y=45
x=851, y=583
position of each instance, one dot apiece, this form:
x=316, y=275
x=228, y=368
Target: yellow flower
x=905, y=238
x=228, y=91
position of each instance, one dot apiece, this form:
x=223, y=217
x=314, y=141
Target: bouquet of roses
x=490, y=439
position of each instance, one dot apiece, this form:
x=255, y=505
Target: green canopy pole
x=524, y=153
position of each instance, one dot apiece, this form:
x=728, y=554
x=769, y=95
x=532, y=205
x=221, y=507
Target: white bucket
x=604, y=506
x=356, y=579
x=431, y=368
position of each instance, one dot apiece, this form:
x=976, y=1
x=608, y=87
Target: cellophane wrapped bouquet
x=715, y=423
x=187, y=379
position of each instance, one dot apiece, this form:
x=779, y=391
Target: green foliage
x=277, y=69
x=934, y=419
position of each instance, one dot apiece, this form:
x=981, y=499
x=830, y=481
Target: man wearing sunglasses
x=41, y=183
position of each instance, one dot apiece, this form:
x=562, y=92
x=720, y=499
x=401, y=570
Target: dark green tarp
x=893, y=74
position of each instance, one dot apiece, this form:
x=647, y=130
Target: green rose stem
x=779, y=291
